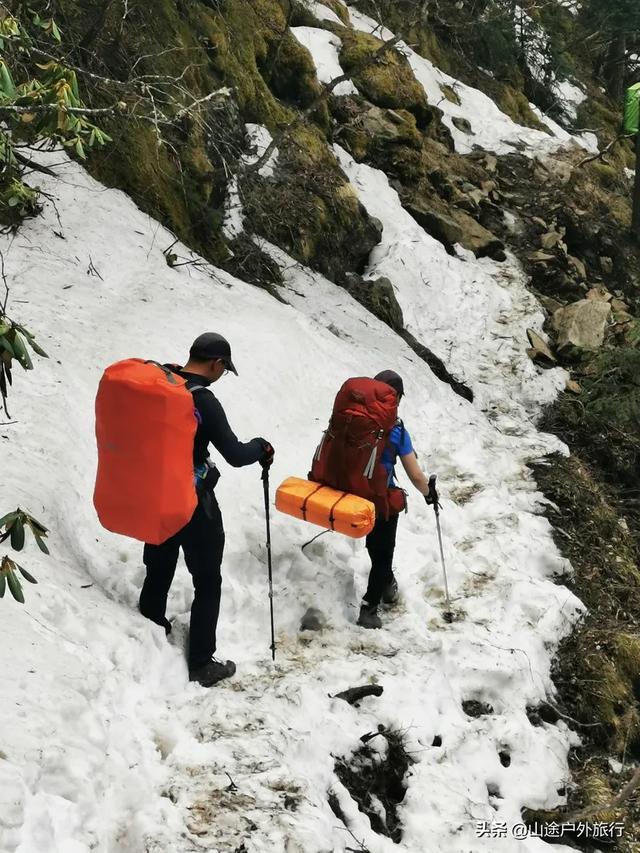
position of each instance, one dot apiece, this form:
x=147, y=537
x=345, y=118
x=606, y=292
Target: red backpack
x=350, y=452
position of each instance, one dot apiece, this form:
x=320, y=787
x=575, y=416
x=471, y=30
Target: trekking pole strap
x=317, y=536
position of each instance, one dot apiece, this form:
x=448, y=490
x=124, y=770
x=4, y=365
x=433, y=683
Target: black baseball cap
x=212, y=345
x=392, y=379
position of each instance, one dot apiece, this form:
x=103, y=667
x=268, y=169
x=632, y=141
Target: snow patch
x=260, y=139
x=324, y=48
x=322, y=12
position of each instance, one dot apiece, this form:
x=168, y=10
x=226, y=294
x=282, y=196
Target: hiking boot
x=368, y=617
x=213, y=672
x=391, y=593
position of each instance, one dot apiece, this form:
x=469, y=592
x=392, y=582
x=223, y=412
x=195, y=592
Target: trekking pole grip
x=432, y=497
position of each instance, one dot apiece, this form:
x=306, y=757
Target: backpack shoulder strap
x=166, y=370
x=193, y=389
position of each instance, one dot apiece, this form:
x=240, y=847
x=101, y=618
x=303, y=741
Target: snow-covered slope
x=105, y=745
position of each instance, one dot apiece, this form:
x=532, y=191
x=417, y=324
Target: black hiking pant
x=381, y=543
x=202, y=542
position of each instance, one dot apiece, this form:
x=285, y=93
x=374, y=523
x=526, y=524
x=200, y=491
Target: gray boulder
x=313, y=620
x=582, y=324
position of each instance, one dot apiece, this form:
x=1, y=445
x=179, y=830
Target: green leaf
x=15, y=587
x=40, y=543
x=4, y=328
x=17, y=534
x=6, y=344
x=21, y=353
x=7, y=519
x=6, y=366
x=74, y=87
x=36, y=347
x=6, y=81
x=3, y=584
x=55, y=32
x=35, y=524
x=25, y=574
x=80, y=150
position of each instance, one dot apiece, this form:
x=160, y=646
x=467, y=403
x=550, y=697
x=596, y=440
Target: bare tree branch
x=601, y=154
x=118, y=107
x=224, y=92
x=617, y=801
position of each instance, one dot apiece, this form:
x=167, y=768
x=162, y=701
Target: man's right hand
x=268, y=453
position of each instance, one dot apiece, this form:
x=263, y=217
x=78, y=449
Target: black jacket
x=214, y=428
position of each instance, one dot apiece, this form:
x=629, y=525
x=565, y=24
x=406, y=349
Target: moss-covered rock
x=516, y=105
x=387, y=81
x=309, y=208
x=291, y=73
x=179, y=172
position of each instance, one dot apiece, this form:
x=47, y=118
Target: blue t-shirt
x=399, y=444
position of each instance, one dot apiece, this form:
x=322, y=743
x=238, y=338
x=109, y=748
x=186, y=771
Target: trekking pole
x=433, y=498
x=265, y=483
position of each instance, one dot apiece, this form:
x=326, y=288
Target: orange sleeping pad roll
x=326, y=507
x=145, y=426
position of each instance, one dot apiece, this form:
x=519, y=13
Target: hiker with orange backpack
x=180, y=416
x=202, y=539
x=358, y=454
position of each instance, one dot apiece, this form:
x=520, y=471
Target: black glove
x=431, y=497
x=268, y=453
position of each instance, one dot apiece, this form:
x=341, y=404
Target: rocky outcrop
x=437, y=366
x=378, y=297
x=458, y=227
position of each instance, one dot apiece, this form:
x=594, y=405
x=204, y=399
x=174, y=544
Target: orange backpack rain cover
x=145, y=427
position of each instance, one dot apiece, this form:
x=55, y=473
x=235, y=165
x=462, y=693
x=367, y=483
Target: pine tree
x=617, y=22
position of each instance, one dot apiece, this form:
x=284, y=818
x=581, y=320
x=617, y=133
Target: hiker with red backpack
x=178, y=416
x=358, y=454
